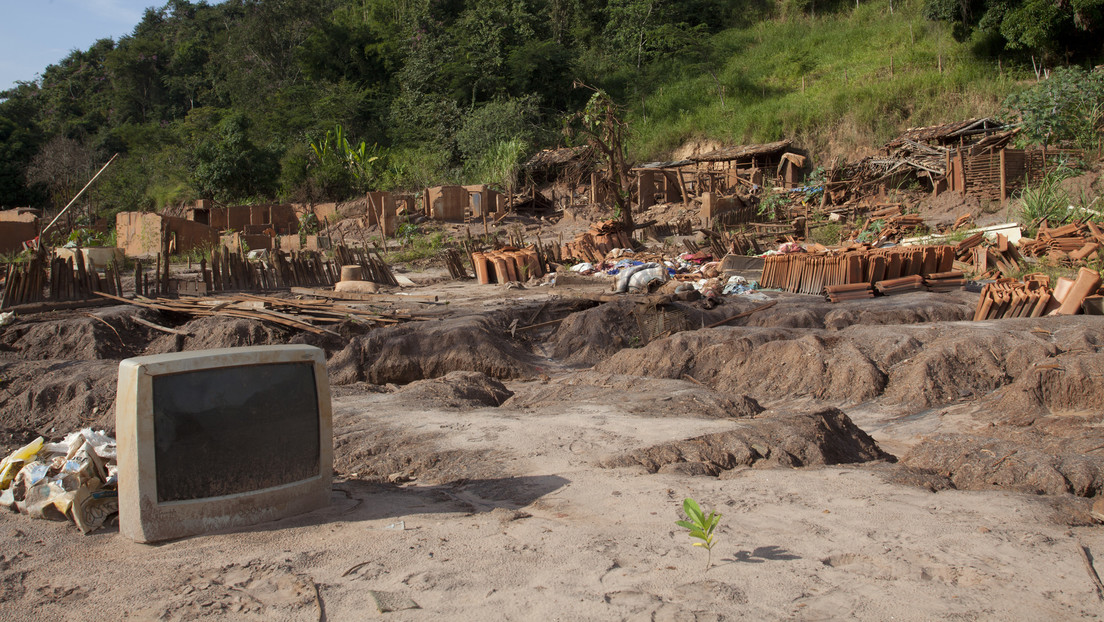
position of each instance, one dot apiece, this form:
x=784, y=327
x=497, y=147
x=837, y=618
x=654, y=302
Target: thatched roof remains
x=743, y=152
x=564, y=156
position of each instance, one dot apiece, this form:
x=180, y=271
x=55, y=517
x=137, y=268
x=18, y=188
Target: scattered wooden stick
x=693, y=379
x=744, y=314
x=318, y=592
x=541, y=325
x=1091, y=570
x=108, y=324
x=354, y=568
x=164, y=329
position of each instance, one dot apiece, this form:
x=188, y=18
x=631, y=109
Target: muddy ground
x=873, y=460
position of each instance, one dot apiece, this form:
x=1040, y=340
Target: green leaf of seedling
x=690, y=507
x=684, y=524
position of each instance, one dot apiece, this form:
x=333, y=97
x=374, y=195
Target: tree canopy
x=223, y=101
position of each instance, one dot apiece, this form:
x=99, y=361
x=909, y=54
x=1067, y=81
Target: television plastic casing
x=142, y=517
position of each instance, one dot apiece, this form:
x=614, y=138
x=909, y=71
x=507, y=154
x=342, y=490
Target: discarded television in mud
x=221, y=438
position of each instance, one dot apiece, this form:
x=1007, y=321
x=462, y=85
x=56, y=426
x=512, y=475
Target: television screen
x=234, y=429
x=211, y=439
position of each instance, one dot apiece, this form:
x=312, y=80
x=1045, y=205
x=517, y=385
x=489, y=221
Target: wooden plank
x=332, y=295
x=45, y=307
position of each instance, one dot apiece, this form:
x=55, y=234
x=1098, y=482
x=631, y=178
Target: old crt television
x=221, y=438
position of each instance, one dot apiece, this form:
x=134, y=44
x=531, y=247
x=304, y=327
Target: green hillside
x=836, y=83
x=323, y=99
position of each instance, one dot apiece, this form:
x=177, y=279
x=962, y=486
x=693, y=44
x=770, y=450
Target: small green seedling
x=700, y=526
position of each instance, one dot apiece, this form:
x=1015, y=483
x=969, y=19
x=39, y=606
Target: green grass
x=828, y=234
x=1047, y=199
x=867, y=76
x=417, y=245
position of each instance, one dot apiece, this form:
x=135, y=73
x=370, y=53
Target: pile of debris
x=76, y=479
x=311, y=316
x=1033, y=297
x=989, y=259
x=1073, y=242
x=593, y=245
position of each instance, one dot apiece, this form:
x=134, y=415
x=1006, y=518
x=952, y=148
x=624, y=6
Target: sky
x=37, y=33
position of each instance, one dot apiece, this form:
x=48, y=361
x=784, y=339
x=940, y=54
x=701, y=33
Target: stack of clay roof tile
x=903, y=285
x=506, y=264
x=988, y=259
x=1072, y=242
x=808, y=273
x=601, y=238
x=945, y=281
x=843, y=293
x=1008, y=298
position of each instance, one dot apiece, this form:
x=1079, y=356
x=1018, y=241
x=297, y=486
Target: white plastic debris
x=74, y=479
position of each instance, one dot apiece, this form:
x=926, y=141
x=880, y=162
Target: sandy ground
x=511, y=515
x=550, y=536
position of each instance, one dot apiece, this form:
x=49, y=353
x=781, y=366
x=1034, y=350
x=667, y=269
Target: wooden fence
x=56, y=280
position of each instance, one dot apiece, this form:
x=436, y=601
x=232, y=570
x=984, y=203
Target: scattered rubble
x=75, y=479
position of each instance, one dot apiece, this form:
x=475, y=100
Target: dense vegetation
x=314, y=99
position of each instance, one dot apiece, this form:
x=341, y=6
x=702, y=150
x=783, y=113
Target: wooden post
x=682, y=187
x=1003, y=180
x=164, y=276
x=206, y=274
x=6, y=302
x=117, y=272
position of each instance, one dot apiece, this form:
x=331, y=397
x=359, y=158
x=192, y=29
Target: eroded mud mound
x=979, y=463
x=911, y=366
x=101, y=333
x=966, y=360
x=913, y=308
x=458, y=390
x=593, y=335
x=231, y=332
x=53, y=398
x=651, y=397
x=420, y=350
x=795, y=311
x=807, y=439
x=1064, y=384
x=375, y=452
x=217, y=332
x=589, y=336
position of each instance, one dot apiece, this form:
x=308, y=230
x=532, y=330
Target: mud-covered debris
x=808, y=439
x=652, y=397
x=981, y=463
x=461, y=390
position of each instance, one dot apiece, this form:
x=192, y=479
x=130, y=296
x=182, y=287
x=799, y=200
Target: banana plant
x=361, y=161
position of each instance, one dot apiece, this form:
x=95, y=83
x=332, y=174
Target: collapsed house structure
x=458, y=203
x=720, y=171
x=718, y=177
x=206, y=226
x=972, y=157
